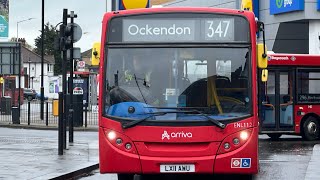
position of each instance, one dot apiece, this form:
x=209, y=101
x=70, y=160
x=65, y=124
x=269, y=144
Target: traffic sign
x=81, y=64
x=77, y=90
x=77, y=31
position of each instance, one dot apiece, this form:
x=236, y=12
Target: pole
x=19, y=79
x=64, y=79
x=72, y=16
x=47, y=113
x=29, y=112
x=17, y=31
x=114, y=5
x=60, y=125
x=29, y=75
x=42, y=61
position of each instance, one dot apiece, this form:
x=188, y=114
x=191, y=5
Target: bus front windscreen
x=143, y=81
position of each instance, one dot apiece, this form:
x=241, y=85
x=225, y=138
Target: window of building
x=50, y=67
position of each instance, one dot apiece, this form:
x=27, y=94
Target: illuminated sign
x=130, y=4
x=283, y=6
x=180, y=28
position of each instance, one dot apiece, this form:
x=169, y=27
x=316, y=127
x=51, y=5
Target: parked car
x=29, y=94
x=39, y=96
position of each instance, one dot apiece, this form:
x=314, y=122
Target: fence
x=30, y=114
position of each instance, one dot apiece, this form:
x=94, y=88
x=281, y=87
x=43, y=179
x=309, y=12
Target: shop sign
x=284, y=6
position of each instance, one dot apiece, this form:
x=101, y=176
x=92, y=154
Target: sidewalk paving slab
x=313, y=172
x=33, y=154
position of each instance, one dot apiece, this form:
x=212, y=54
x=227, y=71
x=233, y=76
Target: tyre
x=274, y=136
x=311, y=128
x=125, y=176
x=30, y=98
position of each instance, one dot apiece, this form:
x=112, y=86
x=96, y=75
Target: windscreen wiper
x=134, y=123
x=214, y=121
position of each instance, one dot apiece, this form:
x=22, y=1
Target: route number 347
x=221, y=30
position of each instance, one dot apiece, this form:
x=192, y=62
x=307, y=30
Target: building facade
x=292, y=26
x=32, y=73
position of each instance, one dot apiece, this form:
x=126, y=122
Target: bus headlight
x=120, y=141
x=111, y=135
x=234, y=141
x=244, y=135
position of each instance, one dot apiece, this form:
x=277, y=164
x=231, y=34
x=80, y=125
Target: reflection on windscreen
x=214, y=79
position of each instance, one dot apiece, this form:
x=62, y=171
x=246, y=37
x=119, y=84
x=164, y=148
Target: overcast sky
x=90, y=13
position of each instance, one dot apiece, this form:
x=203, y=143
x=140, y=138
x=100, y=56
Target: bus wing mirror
x=264, y=76
x=95, y=58
x=262, y=59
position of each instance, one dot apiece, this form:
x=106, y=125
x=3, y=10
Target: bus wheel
x=311, y=129
x=274, y=136
x=125, y=176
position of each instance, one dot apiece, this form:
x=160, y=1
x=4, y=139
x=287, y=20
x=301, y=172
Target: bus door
x=277, y=101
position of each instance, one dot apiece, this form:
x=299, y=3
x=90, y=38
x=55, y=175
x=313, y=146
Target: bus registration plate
x=172, y=168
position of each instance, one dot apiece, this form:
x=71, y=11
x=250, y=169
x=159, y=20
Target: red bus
x=290, y=99
x=178, y=92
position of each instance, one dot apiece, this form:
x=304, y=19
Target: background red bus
x=290, y=99
x=178, y=92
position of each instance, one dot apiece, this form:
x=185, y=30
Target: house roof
x=27, y=54
x=158, y=2
x=86, y=54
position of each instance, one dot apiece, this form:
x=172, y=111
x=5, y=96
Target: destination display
x=309, y=98
x=206, y=29
x=178, y=30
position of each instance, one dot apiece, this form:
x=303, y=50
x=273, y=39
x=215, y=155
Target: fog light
x=111, y=135
x=244, y=135
x=119, y=141
x=226, y=145
x=236, y=141
x=128, y=146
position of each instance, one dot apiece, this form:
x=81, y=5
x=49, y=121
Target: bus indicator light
x=128, y=146
x=119, y=141
x=226, y=146
x=236, y=141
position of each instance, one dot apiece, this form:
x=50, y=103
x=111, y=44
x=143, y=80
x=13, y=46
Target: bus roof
x=177, y=9
x=293, y=60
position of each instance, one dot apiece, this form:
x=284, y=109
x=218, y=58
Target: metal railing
x=30, y=114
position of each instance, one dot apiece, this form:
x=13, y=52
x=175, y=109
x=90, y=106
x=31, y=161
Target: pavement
x=313, y=171
x=33, y=154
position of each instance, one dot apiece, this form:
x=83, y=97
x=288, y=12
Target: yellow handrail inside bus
x=213, y=95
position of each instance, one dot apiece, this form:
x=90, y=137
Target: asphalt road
x=285, y=159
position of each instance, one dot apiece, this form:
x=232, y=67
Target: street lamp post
x=18, y=26
x=29, y=73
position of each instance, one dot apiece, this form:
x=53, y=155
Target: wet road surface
x=287, y=158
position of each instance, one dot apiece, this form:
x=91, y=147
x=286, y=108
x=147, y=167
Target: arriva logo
x=181, y=134
x=283, y=3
